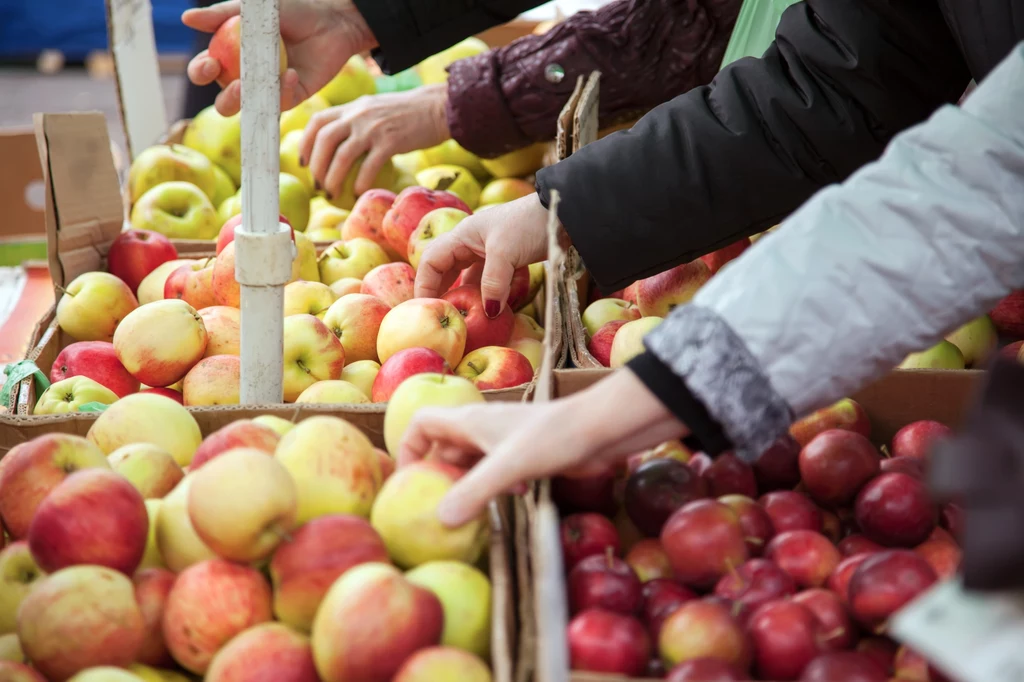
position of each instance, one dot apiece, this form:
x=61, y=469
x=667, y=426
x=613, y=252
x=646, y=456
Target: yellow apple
x=423, y=323
x=346, y=285
x=443, y=663
x=328, y=218
x=323, y=234
x=219, y=139
x=455, y=179
x=335, y=468
x=318, y=203
x=149, y=674
x=503, y=190
x=532, y=350
x=170, y=162
x=294, y=201
x=537, y=277
x=223, y=330
x=629, y=340
x=106, y=673
x=178, y=210
x=335, y=391
x=352, y=82
x=18, y=574
x=10, y=649
x=149, y=468
x=296, y=118
x=355, y=319
x=451, y=152
x=178, y=543
x=147, y=418
x=412, y=163
x=313, y=298
x=433, y=69
x=346, y=198
x=278, y=425
x=152, y=286
x=518, y=163
x=69, y=395
x=304, y=265
x=432, y=225
x=161, y=341
x=361, y=374
x=465, y=594
x=353, y=258
x=225, y=188
x=605, y=310
x=311, y=354
x=152, y=558
x=93, y=305
x=229, y=208
x=527, y=328
x=424, y=390
x=216, y=380
x=289, y=160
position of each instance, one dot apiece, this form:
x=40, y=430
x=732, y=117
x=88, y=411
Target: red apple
x=136, y=253
x=952, y=518
x=608, y=642
x=152, y=587
x=790, y=510
x=270, y=651
x=846, y=414
x=411, y=204
x=703, y=541
x=1008, y=315
x=648, y=560
x=96, y=360
x=167, y=393
x=661, y=598
x=787, y=636
x=805, y=555
x=391, y=283
x=586, y=494
x=227, y=230
x=910, y=666
x=657, y=489
x=18, y=672
x=857, y=544
x=754, y=520
x=493, y=368
x=705, y=670
x=366, y=220
x=1012, y=351
x=895, y=510
x=658, y=294
x=844, y=666
x=756, y=582
x=942, y=555
x=917, y=438
x=95, y=517
x=911, y=466
x=700, y=463
x=703, y=629
x=885, y=582
x=730, y=475
x=243, y=433
x=838, y=631
x=481, y=330
x=778, y=467
x=603, y=582
x=839, y=581
x=716, y=259
x=519, y=286
x=585, y=535
x=226, y=48
x=404, y=364
x=881, y=650
x=600, y=344
x=193, y=283
x=836, y=464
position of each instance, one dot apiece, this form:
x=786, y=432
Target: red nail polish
x=491, y=309
x=316, y=185
x=302, y=161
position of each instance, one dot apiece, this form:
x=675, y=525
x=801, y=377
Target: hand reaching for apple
x=510, y=444
x=319, y=37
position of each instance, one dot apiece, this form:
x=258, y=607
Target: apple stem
x=609, y=554
x=754, y=540
x=832, y=634
x=472, y=367
x=885, y=452
x=62, y=290
x=881, y=629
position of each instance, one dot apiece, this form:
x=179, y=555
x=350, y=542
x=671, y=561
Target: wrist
x=437, y=96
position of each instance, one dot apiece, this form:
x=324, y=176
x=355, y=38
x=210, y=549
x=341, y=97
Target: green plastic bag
x=755, y=28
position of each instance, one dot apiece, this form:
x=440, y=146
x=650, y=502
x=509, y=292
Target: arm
x=907, y=249
x=647, y=51
x=733, y=158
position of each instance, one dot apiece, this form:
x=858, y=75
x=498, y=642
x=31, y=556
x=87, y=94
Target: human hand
x=510, y=444
x=319, y=36
x=379, y=126
x=503, y=238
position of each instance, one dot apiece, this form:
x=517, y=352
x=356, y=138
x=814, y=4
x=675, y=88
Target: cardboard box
x=502, y=551
x=22, y=231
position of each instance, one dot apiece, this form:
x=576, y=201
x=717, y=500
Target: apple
x=244, y=433
x=346, y=198
x=942, y=555
x=71, y=394
x=366, y=221
x=219, y=138
x=443, y=663
x=895, y=510
x=465, y=596
x=306, y=564
x=518, y=292
x=838, y=631
x=227, y=230
x=839, y=581
x=178, y=210
x=93, y=305
x=350, y=258
x=754, y=520
x=882, y=650
x=657, y=489
x=431, y=226
x=15, y=671
x=585, y=535
x=503, y=190
x=149, y=468
x=704, y=541
x=423, y=323
x=226, y=48
x=136, y=253
x=1008, y=315
x=346, y=286
x=629, y=340
x=786, y=637
x=311, y=354
x=531, y=349
x=703, y=629
x=391, y=283
x=226, y=289
x=96, y=360
x=717, y=259
x=857, y=544
x=313, y=298
x=215, y=380
x=352, y=82
x=657, y=295
x=910, y=665
x=977, y=341
x=525, y=327
x=884, y=582
x=605, y=310
x=917, y=438
x=178, y=544
x=756, y=582
x=19, y=573
x=943, y=355
x=223, y=330
x=152, y=588
x=355, y=319
x=30, y=470
x=805, y=555
x=334, y=467
x=362, y=375
x=273, y=649
x=845, y=414
x=790, y=510
x=481, y=330
x=594, y=493
x=648, y=560
x=429, y=389
x=163, y=163
x=152, y=286
x=607, y=642
x=326, y=224
x=209, y=604
x=335, y=391
x=844, y=666
x=408, y=210
x=370, y=622
x=78, y=618
x=193, y=283
x=494, y=367
x=604, y=582
x=778, y=467
x=151, y=557
x=288, y=153
x=455, y=179
x=705, y=670
x=836, y=464
x=729, y=475
x=600, y=343
x=661, y=598
x=278, y=425
x=159, y=342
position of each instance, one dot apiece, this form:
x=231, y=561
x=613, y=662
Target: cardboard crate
x=891, y=403
x=22, y=231
x=502, y=549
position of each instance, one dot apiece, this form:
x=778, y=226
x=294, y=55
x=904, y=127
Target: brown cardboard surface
x=21, y=186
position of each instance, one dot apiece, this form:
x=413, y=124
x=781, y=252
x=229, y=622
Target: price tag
x=971, y=636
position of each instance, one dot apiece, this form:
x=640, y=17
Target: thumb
x=433, y=427
x=495, y=283
x=469, y=497
x=209, y=19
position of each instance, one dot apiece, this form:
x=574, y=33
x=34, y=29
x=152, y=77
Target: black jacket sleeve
x=408, y=31
x=733, y=158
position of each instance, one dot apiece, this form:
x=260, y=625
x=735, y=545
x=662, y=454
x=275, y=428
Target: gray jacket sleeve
x=907, y=249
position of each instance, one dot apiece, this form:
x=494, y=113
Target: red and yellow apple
x=366, y=221
x=431, y=226
x=149, y=468
x=147, y=418
x=226, y=48
x=605, y=310
x=93, y=305
x=657, y=295
x=275, y=650
x=152, y=587
x=408, y=209
x=350, y=258
x=423, y=390
x=96, y=360
x=216, y=380
x=311, y=354
x=313, y=298
x=481, y=330
x=161, y=341
x=404, y=364
x=355, y=319
x=19, y=573
x=495, y=367
x=362, y=374
x=423, y=323
x=391, y=283
x=465, y=594
x=177, y=541
x=223, y=330
x=628, y=341
x=334, y=391
x=243, y=433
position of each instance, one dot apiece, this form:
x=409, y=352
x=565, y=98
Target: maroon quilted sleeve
x=648, y=51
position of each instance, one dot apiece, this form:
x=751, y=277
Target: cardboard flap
x=585, y=114
x=139, y=95
x=563, y=126
x=84, y=213
x=22, y=181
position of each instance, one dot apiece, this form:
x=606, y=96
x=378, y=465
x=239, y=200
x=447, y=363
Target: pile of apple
x=714, y=570
x=266, y=551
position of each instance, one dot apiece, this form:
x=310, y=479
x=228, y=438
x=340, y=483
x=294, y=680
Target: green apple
x=350, y=258
x=452, y=153
x=70, y=394
x=352, y=82
x=518, y=163
x=294, y=199
x=229, y=208
x=219, y=139
x=298, y=116
x=943, y=355
x=605, y=310
x=346, y=199
x=10, y=648
x=433, y=69
x=151, y=558
x=279, y=425
x=178, y=210
x=166, y=162
x=290, y=159
x=455, y=179
x=411, y=163
x=977, y=340
x=419, y=391
x=465, y=595
x=432, y=225
x=503, y=190
x=93, y=305
x=18, y=574
x=317, y=203
x=328, y=218
x=304, y=265
x=629, y=340
x=225, y=186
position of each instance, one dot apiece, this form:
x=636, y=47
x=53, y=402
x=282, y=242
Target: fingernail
x=330, y=197
x=302, y=161
x=492, y=308
x=316, y=184
x=447, y=513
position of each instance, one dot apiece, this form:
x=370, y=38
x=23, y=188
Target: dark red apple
x=705, y=670
x=838, y=631
x=657, y=489
x=730, y=475
x=703, y=541
x=885, y=582
x=952, y=519
x=586, y=494
x=716, y=259
x=881, y=650
x=608, y=642
x=911, y=666
x=787, y=636
x=895, y=510
x=857, y=544
x=910, y=466
x=839, y=581
x=942, y=555
x=704, y=629
x=661, y=598
x=136, y=253
x=754, y=520
x=836, y=464
x=778, y=467
x=585, y=535
x=808, y=557
x=844, y=666
x=604, y=582
x=917, y=438
x=648, y=560
x=791, y=510
x=756, y=582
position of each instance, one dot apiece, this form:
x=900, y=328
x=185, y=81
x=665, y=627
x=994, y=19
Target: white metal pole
x=264, y=247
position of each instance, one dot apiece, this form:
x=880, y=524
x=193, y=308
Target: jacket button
x=554, y=73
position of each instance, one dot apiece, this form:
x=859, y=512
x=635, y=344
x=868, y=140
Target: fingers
x=495, y=283
x=312, y=129
x=495, y=474
x=441, y=263
x=203, y=69
x=325, y=146
x=209, y=19
x=374, y=161
x=229, y=100
x=441, y=432
x=344, y=158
